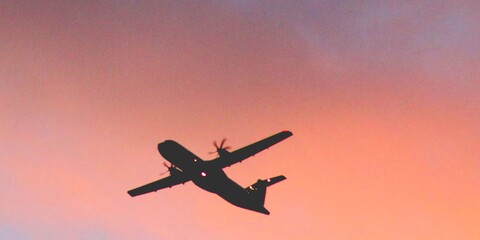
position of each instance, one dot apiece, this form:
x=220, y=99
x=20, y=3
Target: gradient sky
x=383, y=98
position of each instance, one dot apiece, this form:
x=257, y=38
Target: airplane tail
x=258, y=190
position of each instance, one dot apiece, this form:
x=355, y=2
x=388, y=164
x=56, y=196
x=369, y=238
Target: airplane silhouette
x=209, y=175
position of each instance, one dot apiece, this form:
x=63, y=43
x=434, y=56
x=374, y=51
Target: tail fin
x=258, y=190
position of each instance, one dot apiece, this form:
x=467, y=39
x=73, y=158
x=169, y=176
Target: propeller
x=169, y=168
x=220, y=147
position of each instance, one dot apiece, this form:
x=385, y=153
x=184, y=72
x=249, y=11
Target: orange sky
x=383, y=100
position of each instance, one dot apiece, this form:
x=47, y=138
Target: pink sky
x=383, y=100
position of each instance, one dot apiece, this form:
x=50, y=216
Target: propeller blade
x=164, y=172
x=215, y=144
x=166, y=165
x=223, y=141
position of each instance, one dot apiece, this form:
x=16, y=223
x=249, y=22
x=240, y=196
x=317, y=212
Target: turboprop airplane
x=209, y=175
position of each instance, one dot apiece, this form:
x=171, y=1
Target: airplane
x=209, y=175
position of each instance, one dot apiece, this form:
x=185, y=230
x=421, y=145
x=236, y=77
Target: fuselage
x=209, y=178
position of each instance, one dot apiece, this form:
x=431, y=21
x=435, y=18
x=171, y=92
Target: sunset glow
x=383, y=99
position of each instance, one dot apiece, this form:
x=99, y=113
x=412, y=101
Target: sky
x=383, y=99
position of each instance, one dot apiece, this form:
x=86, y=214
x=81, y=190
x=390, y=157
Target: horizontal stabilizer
x=259, y=189
x=271, y=181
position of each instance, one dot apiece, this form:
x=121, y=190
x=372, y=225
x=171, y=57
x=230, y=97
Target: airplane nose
x=161, y=145
x=164, y=145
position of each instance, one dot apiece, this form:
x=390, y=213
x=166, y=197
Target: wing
x=169, y=181
x=250, y=150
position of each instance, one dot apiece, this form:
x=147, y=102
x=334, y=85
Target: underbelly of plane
x=229, y=190
x=217, y=182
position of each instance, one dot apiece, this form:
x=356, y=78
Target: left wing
x=250, y=150
x=169, y=181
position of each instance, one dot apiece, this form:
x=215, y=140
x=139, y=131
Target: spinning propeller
x=220, y=148
x=170, y=168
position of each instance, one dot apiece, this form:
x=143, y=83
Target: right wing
x=250, y=150
x=169, y=181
